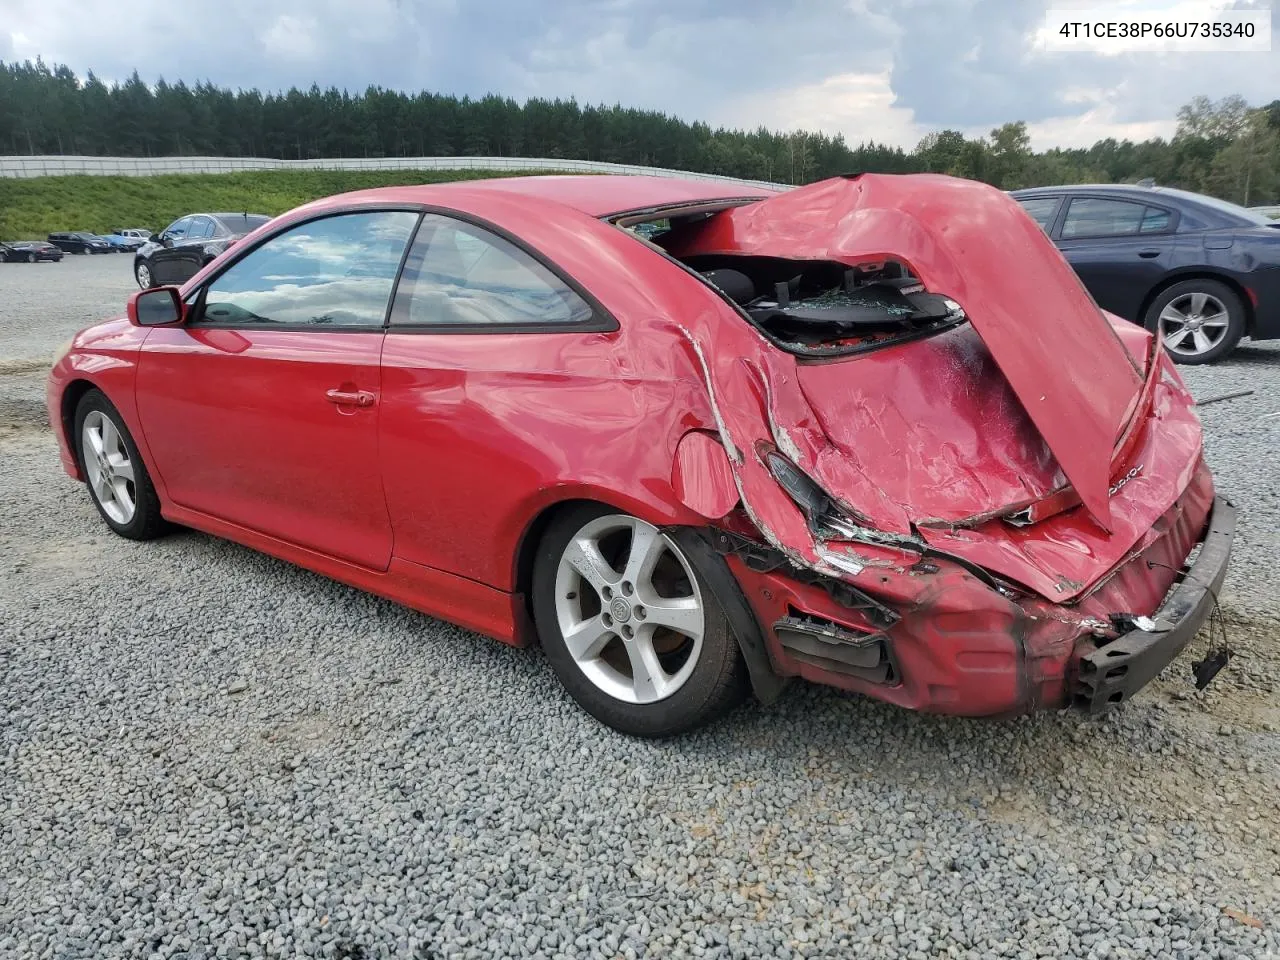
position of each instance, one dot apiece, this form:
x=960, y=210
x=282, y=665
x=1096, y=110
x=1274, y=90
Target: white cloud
x=1093, y=125
x=858, y=105
x=291, y=37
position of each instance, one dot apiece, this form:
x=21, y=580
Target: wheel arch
x=1201, y=273
x=72, y=394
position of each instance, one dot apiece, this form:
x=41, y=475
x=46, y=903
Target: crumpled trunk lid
x=1060, y=357
x=940, y=439
x=934, y=424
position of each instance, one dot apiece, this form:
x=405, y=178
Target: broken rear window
x=827, y=309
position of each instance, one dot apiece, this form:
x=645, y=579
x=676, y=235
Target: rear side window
x=1095, y=217
x=1155, y=220
x=242, y=223
x=1041, y=209
x=335, y=272
x=461, y=275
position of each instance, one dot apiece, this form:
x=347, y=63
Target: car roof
x=595, y=195
x=1119, y=188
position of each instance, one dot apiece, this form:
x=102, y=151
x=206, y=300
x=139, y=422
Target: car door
x=262, y=409
x=163, y=269
x=483, y=337
x=1119, y=248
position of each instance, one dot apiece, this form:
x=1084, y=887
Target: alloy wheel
x=1193, y=324
x=144, y=276
x=109, y=467
x=629, y=609
x=31, y=258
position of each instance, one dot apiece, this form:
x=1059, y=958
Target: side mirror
x=156, y=308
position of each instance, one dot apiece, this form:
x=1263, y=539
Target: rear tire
x=118, y=482
x=650, y=651
x=31, y=258
x=1200, y=320
x=142, y=273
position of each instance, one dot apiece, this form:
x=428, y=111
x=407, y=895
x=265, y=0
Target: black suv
x=1199, y=272
x=180, y=250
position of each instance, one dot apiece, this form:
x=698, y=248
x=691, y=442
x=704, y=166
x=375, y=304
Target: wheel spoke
x=102, y=490
x=121, y=465
x=588, y=639
x=1202, y=341
x=647, y=547
x=95, y=440
x=1172, y=314
x=648, y=679
x=683, y=615
x=120, y=493
x=585, y=557
x=110, y=437
x=1174, y=338
x=1215, y=320
x=1197, y=303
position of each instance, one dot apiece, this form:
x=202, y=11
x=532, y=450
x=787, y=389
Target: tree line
x=1225, y=148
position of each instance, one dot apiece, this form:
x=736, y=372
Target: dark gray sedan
x=1199, y=271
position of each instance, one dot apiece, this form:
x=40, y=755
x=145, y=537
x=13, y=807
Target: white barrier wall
x=52, y=166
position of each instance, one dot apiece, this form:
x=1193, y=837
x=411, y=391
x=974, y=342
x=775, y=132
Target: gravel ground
x=208, y=753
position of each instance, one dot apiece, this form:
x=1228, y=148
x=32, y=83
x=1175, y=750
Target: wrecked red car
x=694, y=439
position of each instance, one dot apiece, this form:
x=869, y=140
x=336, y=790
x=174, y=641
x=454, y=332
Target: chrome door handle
x=351, y=398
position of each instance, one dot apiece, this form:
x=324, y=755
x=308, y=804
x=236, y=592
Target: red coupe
x=693, y=439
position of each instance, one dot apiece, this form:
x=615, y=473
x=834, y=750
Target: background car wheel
x=143, y=274
x=31, y=258
x=630, y=627
x=1200, y=321
x=117, y=478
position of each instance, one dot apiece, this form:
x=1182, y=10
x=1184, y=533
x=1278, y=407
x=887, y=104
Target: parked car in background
x=121, y=243
x=434, y=393
x=178, y=252
x=30, y=251
x=140, y=233
x=1200, y=271
x=79, y=242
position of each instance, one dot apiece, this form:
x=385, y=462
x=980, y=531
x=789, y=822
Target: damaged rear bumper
x=1112, y=673
x=936, y=637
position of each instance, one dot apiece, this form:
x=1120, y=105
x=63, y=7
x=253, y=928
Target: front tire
x=142, y=273
x=118, y=482
x=631, y=628
x=1199, y=321
x=31, y=258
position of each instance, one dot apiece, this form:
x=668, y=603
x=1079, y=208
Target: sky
x=883, y=70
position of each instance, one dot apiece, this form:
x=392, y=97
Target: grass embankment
x=33, y=208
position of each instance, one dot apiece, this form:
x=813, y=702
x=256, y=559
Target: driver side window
x=333, y=272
